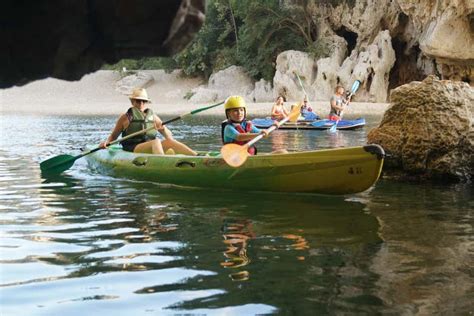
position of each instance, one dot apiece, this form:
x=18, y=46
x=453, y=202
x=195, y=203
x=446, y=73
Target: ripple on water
x=82, y=241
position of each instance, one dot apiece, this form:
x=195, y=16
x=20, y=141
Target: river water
x=87, y=244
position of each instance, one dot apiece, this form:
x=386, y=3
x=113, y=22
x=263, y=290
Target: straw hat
x=139, y=94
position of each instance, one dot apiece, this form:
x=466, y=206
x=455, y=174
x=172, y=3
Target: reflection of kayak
x=318, y=124
x=329, y=171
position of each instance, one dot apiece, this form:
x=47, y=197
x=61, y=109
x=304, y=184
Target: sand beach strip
x=96, y=94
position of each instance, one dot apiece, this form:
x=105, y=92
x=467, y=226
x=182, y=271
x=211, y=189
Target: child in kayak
x=140, y=117
x=236, y=129
x=278, y=110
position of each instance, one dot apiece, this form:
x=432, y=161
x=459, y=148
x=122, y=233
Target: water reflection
x=237, y=234
x=86, y=241
x=133, y=227
x=428, y=247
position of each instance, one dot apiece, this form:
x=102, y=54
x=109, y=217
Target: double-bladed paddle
x=235, y=155
x=354, y=88
x=60, y=163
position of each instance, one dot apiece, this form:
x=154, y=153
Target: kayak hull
x=313, y=125
x=331, y=171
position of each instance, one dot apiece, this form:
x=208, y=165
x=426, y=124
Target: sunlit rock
x=428, y=130
x=288, y=65
x=230, y=81
x=372, y=67
x=136, y=80
x=263, y=91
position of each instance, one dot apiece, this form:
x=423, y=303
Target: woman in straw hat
x=140, y=117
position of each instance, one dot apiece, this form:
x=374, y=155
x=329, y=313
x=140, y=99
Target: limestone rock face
x=428, y=130
x=372, y=67
x=138, y=80
x=444, y=31
x=68, y=39
x=444, y=27
x=263, y=91
x=327, y=71
x=285, y=82
x=230, y=81
x=365, y=18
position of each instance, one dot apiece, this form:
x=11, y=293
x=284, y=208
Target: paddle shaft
x=354, y=88
x=346, y=104
x=61, y=163
x=150, y=128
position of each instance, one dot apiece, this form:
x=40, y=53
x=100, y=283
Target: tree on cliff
x=250, y=33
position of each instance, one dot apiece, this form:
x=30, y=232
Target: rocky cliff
x=428, y=130
x=383, y=43
x=387, y=43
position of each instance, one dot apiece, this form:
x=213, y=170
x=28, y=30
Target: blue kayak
x=314, y=125
x=342, y=124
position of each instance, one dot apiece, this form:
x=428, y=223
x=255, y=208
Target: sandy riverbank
x=96, y=94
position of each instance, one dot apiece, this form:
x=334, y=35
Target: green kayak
x=328, y=171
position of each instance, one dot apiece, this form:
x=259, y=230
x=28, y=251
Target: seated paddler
x=236, y=129
x=138, y=118
x=307, y=111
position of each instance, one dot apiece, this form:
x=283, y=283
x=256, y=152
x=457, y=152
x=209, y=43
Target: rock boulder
x=285, y=82
x=428, y=130
x=230, y=81
x=137, y=80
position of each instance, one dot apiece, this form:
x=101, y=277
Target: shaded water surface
x=83, y=243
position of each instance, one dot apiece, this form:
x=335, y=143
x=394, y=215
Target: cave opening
x=405, y=68
x=349, y=36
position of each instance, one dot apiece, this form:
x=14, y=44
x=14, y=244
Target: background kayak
x=317, y=125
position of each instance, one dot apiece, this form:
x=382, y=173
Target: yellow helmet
x=234, y=102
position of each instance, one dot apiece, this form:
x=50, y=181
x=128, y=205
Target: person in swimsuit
x=278, y=110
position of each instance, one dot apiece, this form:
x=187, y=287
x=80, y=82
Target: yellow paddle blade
x=234, y=155
x=295, y=113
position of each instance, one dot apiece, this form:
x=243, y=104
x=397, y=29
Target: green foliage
x=211, y=48
x=248, y=33
x=166, y=63
x=321, y=48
